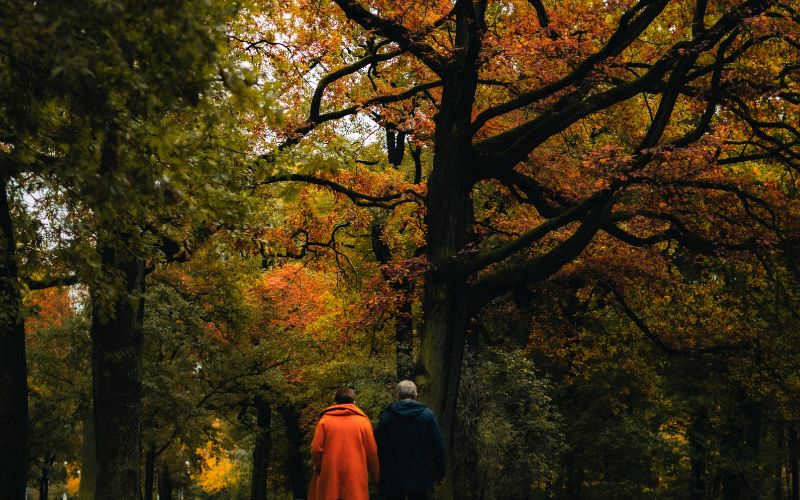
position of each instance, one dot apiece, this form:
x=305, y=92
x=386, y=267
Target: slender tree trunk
x=696, y=436
x=149, y=471
x=88, y=457
x=44, y=479
x=44, y=484
x=294, y=462
x=404, y=336
x=780, y=450
x=13, y=373
x=164, y=484
x=116, y=373
x=794, y=468
x=573, y=483
x=400, y=285
x=261, y=451
x=402, y=288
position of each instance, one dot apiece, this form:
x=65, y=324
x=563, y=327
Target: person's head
x=345, y=395
x=406, y=389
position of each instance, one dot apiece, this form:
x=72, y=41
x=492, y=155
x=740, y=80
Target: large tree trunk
x=445, y=297
x=13, y=374
x=116, y=373
x=294, y=462
x=449, y=219
x=88, y=457
x=261, y=451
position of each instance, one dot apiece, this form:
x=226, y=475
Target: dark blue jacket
x=410, y=448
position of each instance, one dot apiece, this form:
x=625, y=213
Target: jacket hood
x=343, y=410
x=406, y=408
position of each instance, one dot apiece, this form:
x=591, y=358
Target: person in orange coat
x=343, y=452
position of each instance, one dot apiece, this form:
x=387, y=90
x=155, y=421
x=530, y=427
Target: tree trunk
x=88, y=457
x=294, y=463
x=13, y=373
x=780, y=451
x=261, y=451
x=44, y=483
x=445, y=296
x=794, y=468
x=164, y=484
x=44, y=479
x=116, y=374
x=402, y=288
x=449, y=217
x=741, y=481
x=149, y=472
x=404, y=336
x=696, y=437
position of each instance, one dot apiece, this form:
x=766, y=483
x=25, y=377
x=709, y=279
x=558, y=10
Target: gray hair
x=406, y=389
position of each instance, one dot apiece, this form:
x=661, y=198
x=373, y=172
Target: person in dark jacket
x=410, y=447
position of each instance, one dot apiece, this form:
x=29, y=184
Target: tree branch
x=655, y=339
x=359, y=198
x=629, y=29
x=310, y=125
x=398, y=33
x=50, y=282
x=539, y=268
x=510, y=248
x=508, y=148
x=316, y=99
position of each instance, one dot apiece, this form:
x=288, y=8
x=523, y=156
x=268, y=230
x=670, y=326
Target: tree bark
x=88, y=457
x=445, y=300
x=149, y=472
x=696, y=437
x=164, y=484
x=794, y=468
x=44, y=479
x=402, y=287
x=116, y=374
x=262, y=449
x=294, y=463
x=780, y=450
x=13, y=373
x=449, y=217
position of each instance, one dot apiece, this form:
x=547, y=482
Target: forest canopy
x=575, y=224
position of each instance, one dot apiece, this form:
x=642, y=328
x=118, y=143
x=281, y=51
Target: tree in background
x=104, y=103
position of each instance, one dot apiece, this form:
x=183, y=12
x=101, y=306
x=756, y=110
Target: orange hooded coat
x=343, y=451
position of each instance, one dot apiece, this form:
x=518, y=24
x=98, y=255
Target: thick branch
x=539, y=268
x=357, y=197
x=510, y=248
x=629, y=29
x=541, y=13
x=316, y=100
x=310, y=125
x=536, y=194
x=505, y=150
x=41, y=284
x=398, y=33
